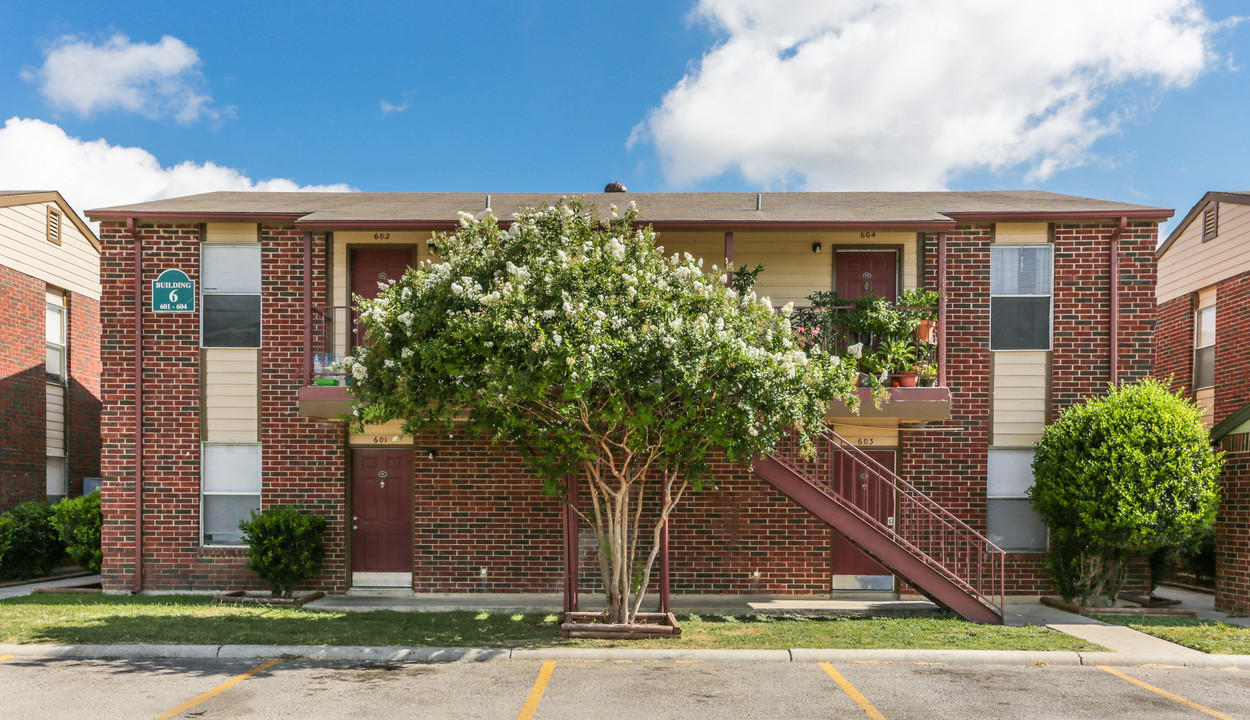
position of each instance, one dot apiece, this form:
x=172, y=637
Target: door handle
x=354, y=527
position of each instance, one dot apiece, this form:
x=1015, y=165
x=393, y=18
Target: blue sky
x=1141, y=101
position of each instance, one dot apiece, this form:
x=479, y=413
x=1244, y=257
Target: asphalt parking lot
x=297, y=688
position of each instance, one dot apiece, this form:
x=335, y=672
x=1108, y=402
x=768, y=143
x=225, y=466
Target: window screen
x=230, y=302
x=1012, y=524
x=55, y=330
x=1204, y=348
x=230, y=490
x=1020, y=297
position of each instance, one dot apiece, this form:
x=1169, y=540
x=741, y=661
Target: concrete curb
x=465, y=654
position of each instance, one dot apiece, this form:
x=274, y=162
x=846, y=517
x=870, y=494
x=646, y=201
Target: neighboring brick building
x=1203, y=345
x=232, y=419
x=49, y=349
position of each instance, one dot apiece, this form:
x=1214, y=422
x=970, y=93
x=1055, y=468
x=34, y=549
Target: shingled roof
x=918, y=210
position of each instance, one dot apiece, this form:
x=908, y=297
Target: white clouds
x=388, y=108
x=156, y=81
x=903, y=94
x=35, y=155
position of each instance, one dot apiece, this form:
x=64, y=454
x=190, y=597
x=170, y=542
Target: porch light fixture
x=431, y=248
x=816, y=248
x=430, y=453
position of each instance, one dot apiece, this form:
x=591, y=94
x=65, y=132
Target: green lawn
x=1206, y=635
x=183, y=619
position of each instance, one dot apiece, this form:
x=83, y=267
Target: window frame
x=204, y=292
x=64, y=480
x=234, y=493
x=61, y=377
x=1210, y=346
x=991, y=496
x=1050, y=311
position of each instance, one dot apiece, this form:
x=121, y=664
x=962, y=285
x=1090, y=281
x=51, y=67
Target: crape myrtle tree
x=1119, y=477
x=576, y=341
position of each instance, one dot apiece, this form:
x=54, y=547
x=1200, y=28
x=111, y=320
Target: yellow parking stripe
x=1166, y=694
x=217, y=690
x=536, y=693
x=4, y=657
x=855, y=695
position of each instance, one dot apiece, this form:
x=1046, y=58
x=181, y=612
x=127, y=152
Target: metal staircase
x=944, y=559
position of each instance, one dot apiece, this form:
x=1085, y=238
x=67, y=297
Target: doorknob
x=355, y=527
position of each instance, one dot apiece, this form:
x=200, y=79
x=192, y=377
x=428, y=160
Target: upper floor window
x=55, y=331
x=230, y=300
x=1020, y=297
x=1204, y=347
x=1210, y=221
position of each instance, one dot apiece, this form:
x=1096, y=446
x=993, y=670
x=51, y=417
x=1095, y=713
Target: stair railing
x=928, y=531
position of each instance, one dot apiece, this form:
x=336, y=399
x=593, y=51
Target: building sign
x=173, y=291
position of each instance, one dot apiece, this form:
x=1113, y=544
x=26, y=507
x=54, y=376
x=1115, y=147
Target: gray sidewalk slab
x=1201, y=603
x=26, y=588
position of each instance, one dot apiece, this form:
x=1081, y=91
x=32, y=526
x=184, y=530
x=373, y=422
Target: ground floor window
x=230, y=490
x=58, y=481
x=1012, y=523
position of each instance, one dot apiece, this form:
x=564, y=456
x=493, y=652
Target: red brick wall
x=1174, y=342
x=1232, y=529
x=1232, y=346
x=83, y=412
x=23, y=398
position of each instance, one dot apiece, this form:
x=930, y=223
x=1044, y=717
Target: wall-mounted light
x=430, y=453
x=816, y=248
x=431, y=248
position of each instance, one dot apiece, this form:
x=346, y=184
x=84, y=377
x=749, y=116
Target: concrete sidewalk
x=26, y=588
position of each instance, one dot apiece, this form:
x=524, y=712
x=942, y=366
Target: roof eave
x=1193, y=213
x=205, y=216
x=1059, y=215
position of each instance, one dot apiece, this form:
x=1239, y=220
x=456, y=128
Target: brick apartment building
x=49, y=349
x=1204, y=345
x=1045, y=298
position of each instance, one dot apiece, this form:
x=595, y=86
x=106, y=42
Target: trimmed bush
x=77, y=522
x=29, y=546
x=284, y=546
x=1122, y=476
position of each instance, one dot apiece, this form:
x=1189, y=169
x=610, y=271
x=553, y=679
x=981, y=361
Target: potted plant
x=900, y=360
x=928, y=374
x=924, y=319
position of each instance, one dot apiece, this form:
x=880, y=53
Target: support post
x=665, y=596
x=942, y=287
x=138, y=400
x=570, y=544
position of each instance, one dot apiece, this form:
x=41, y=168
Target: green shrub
x=77, y=522
x=29, y=546
x=1122, y=476
x=284, y=546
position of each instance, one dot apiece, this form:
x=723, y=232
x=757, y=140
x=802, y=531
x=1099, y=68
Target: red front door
x=852, y=481
x=866, y=272
x=382, y=511
x=371, y=266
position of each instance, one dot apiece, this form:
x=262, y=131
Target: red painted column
x=570, y=545
x=664, y=566
x=941, y=283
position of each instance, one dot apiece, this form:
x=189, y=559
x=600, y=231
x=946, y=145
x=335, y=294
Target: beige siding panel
x=1205, y=399
x=380, y=435
x=55, y=420
x=869, y=437
x=1191, y=264
x=231, y=233
x=231, y=384
x=1021, y=233
x=73, y=265
x=1019, y=397
x=1207, y=296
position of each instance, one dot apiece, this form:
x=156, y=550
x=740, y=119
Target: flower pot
x=325, y=382
x=926, y=332
x=904, y=379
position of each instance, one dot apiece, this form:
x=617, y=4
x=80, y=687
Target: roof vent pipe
x=614, y=187
x=759, y=201
x=488, y=201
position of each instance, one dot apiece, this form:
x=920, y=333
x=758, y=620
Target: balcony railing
x=328, y=343
x=903, y=342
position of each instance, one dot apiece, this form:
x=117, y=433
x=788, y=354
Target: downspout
x=138, y=390
x=1115, y=299
x=729, y=258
